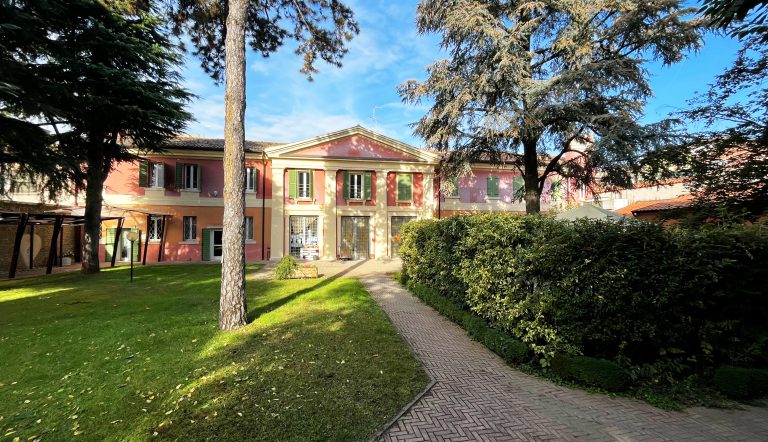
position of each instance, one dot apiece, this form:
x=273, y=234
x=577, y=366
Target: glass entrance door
x=216, y=244
x=355, y=237
x=303, y=237
x=394, y=232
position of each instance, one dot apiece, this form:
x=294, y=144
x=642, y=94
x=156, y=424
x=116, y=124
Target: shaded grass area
x=102, y=359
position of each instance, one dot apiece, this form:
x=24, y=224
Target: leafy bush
x=597, y=372
x=742, y=383
x=286, y=268
x=669, y=302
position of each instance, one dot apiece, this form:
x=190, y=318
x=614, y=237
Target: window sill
x=191, y=190
x=250, y=241
x=190, y=241
x=492, y=198
x=155, y=241
x=452, y=197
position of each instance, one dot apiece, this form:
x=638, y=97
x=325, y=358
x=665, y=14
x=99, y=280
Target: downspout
x=263, y=202
x=439, y=197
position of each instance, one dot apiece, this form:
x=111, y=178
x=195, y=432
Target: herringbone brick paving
x=479, y=397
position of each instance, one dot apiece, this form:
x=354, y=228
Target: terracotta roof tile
x=199, y=143
x=655, y=205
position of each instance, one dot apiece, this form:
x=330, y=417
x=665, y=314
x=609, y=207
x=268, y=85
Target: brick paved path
x=478, y=397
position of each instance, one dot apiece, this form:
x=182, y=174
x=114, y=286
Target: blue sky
x=283, y=106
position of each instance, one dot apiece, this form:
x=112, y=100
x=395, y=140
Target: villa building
x=342, y=195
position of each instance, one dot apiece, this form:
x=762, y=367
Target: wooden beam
x=17, y=244
x=31, y=246
x=52, y=251
x=146, y=240
x=118, y=233
x=162, y=240
x=61, y=246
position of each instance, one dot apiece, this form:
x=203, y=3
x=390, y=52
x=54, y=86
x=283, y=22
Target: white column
x=381, y=218
x=429, y=205
x=329, y=216
x=277, y=238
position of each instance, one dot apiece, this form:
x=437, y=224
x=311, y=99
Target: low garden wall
x=662, y=304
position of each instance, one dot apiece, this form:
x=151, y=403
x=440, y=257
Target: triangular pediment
x=356, y=143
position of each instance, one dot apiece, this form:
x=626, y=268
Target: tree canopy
x=548, y=86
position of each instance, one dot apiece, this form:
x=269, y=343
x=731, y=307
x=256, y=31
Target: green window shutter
x=404, y=187
x=199, y=177
x=367, y=185
x=179, y=175
x=492, y=186
x=136, y=245
x=110, y=243
x=206, y=244
x=517, y=187
x=346, y=185
x=454, y=186
x=255, y=179
x=143, y=174
x=293, y=183
x=311, y=185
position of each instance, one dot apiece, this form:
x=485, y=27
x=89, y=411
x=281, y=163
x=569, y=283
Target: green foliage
x=664, y=303
x=510, y=349
x=590, y=371
x=286, y=268
x=742, y=383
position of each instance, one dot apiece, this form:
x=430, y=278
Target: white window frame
x=356, y=190
x=190, y=226
x=248, y=228
x=153, y=229
x=190, y=176
x=157, y=175
x=302, y=188
x=250, y=179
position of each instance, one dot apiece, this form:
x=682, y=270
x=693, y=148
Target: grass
x=102, y=359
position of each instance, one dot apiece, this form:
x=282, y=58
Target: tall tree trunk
x=95, y=176
x=232, y=304
x=531, y=177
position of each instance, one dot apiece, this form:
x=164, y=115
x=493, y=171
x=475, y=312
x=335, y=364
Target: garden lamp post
x=132, y=237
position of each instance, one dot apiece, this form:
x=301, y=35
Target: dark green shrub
x=597, y=372
x=286, y=268
x=742, y=383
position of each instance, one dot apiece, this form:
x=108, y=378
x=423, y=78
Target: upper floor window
x=151, y=174
x=190, y=228
x=250, y=179
x=453, y=187
x=355, y=186
x=155, y=228
x=404, y=187
x=188, y=176
x=300, y=182
x=492, y=186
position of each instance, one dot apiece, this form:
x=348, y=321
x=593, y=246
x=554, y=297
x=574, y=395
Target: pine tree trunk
x=95, y=176
x=232, y=305
x=531, y=177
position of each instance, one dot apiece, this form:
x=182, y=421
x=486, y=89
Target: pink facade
x=318, y=187
x=418, y=191
x=353, y=147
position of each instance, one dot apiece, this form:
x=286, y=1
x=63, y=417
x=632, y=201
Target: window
x=303, y=184
x=355, y=186
x=191, y=176
x=404, y=187
x=156, y=175
x=250, y=179
x=249, y=228
x=453, y=187
x=190, y=228
x=155, y=228
x=492, y=186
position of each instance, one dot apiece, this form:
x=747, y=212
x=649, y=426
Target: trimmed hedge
x=590, y=371
x=663, y=303
x=742, y=383
x=510, y=349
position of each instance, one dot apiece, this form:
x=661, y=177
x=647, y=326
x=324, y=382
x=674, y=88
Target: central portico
x=346, y=194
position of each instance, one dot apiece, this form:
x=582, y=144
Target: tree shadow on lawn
x=320, y=360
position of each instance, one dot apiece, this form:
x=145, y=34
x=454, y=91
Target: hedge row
x=663, y=303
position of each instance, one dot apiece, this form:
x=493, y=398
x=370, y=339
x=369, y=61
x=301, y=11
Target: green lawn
x=102, y=359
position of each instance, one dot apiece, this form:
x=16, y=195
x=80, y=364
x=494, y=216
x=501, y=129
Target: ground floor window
x=249, y=228
x=190, y=228
x=155, y=228
x=355, y=237
x=396, y=225
x=303, y=236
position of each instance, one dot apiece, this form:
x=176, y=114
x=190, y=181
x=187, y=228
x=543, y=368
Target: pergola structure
x=24, y=219
x=72, y=217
